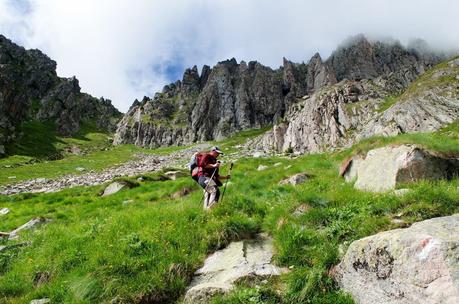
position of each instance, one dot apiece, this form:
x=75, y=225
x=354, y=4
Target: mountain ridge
x=31, y=90
x=232, y=96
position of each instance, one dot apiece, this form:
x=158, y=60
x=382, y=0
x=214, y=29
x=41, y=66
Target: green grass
x=142, y=246
x=229, y=145
x=40, y=140
x=445, y=141
x=97, y=161
x=427, y=82
x=388, y=102
x=99, y=154
x=103, y=249
x=40, y=153
x=147, y=250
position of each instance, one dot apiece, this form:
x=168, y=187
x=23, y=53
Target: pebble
x=262, y=167
x=40, y=301
x=258, y=154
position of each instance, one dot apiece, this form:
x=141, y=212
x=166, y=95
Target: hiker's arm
x=225, y=177
x=210, y=166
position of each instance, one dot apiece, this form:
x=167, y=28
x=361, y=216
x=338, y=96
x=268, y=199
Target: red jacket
x=207, y=159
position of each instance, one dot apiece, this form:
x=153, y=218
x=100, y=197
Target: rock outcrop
x=225, y=99
x=384, y=168
x=31, y=90
x=14, y=235
x=413, y=265
x=320, y=122
x=248, y=259
x=343, y=114
x=296, y=179
x=432, y=103
x=114, y=188
x=235, y=96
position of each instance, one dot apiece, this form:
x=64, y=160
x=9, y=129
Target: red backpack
x=194, y=164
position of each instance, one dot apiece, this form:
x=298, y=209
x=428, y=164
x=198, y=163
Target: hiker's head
x=215, y=151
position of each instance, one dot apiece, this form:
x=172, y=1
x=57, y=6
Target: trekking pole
x=226, y=182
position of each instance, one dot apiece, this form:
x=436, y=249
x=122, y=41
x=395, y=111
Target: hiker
x=209, y=178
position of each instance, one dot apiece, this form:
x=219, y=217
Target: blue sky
x=125, y=49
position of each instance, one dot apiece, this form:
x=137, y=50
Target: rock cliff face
x=235, y=96
x=227, y=98
x=345, y=113
x=30, y=89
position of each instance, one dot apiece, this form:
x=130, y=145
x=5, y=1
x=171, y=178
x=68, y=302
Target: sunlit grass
x=140, y=245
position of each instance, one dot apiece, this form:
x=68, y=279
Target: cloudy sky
x=125, y=49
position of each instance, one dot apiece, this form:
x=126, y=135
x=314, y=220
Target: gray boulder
x=295, y=179
x=114, y=188
x=384, y=168
x=262, y=168
x=301, y=209
x=402, y=192
x=403, y=266
x=181, y=193
x=14, y=235
x=258, y=154
x=41, y=301
x=348, y=168
x=240, y=260
x=174, y=175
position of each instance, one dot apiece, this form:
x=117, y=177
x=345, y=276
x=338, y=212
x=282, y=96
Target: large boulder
x=114, y=188
x=174, y=175
x=241, y=260
x=14, y=235
x=384, y=168
x=403, y=266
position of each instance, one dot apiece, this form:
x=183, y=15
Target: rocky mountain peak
x=234, y=96
x=191, y=80
x=31, y=90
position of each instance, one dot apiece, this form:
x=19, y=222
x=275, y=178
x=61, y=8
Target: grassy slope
x=445, y=141
x=29, y=156
x=426, y=82
x=148, y=249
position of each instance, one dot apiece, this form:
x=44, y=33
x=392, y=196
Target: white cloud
x=122, y=49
